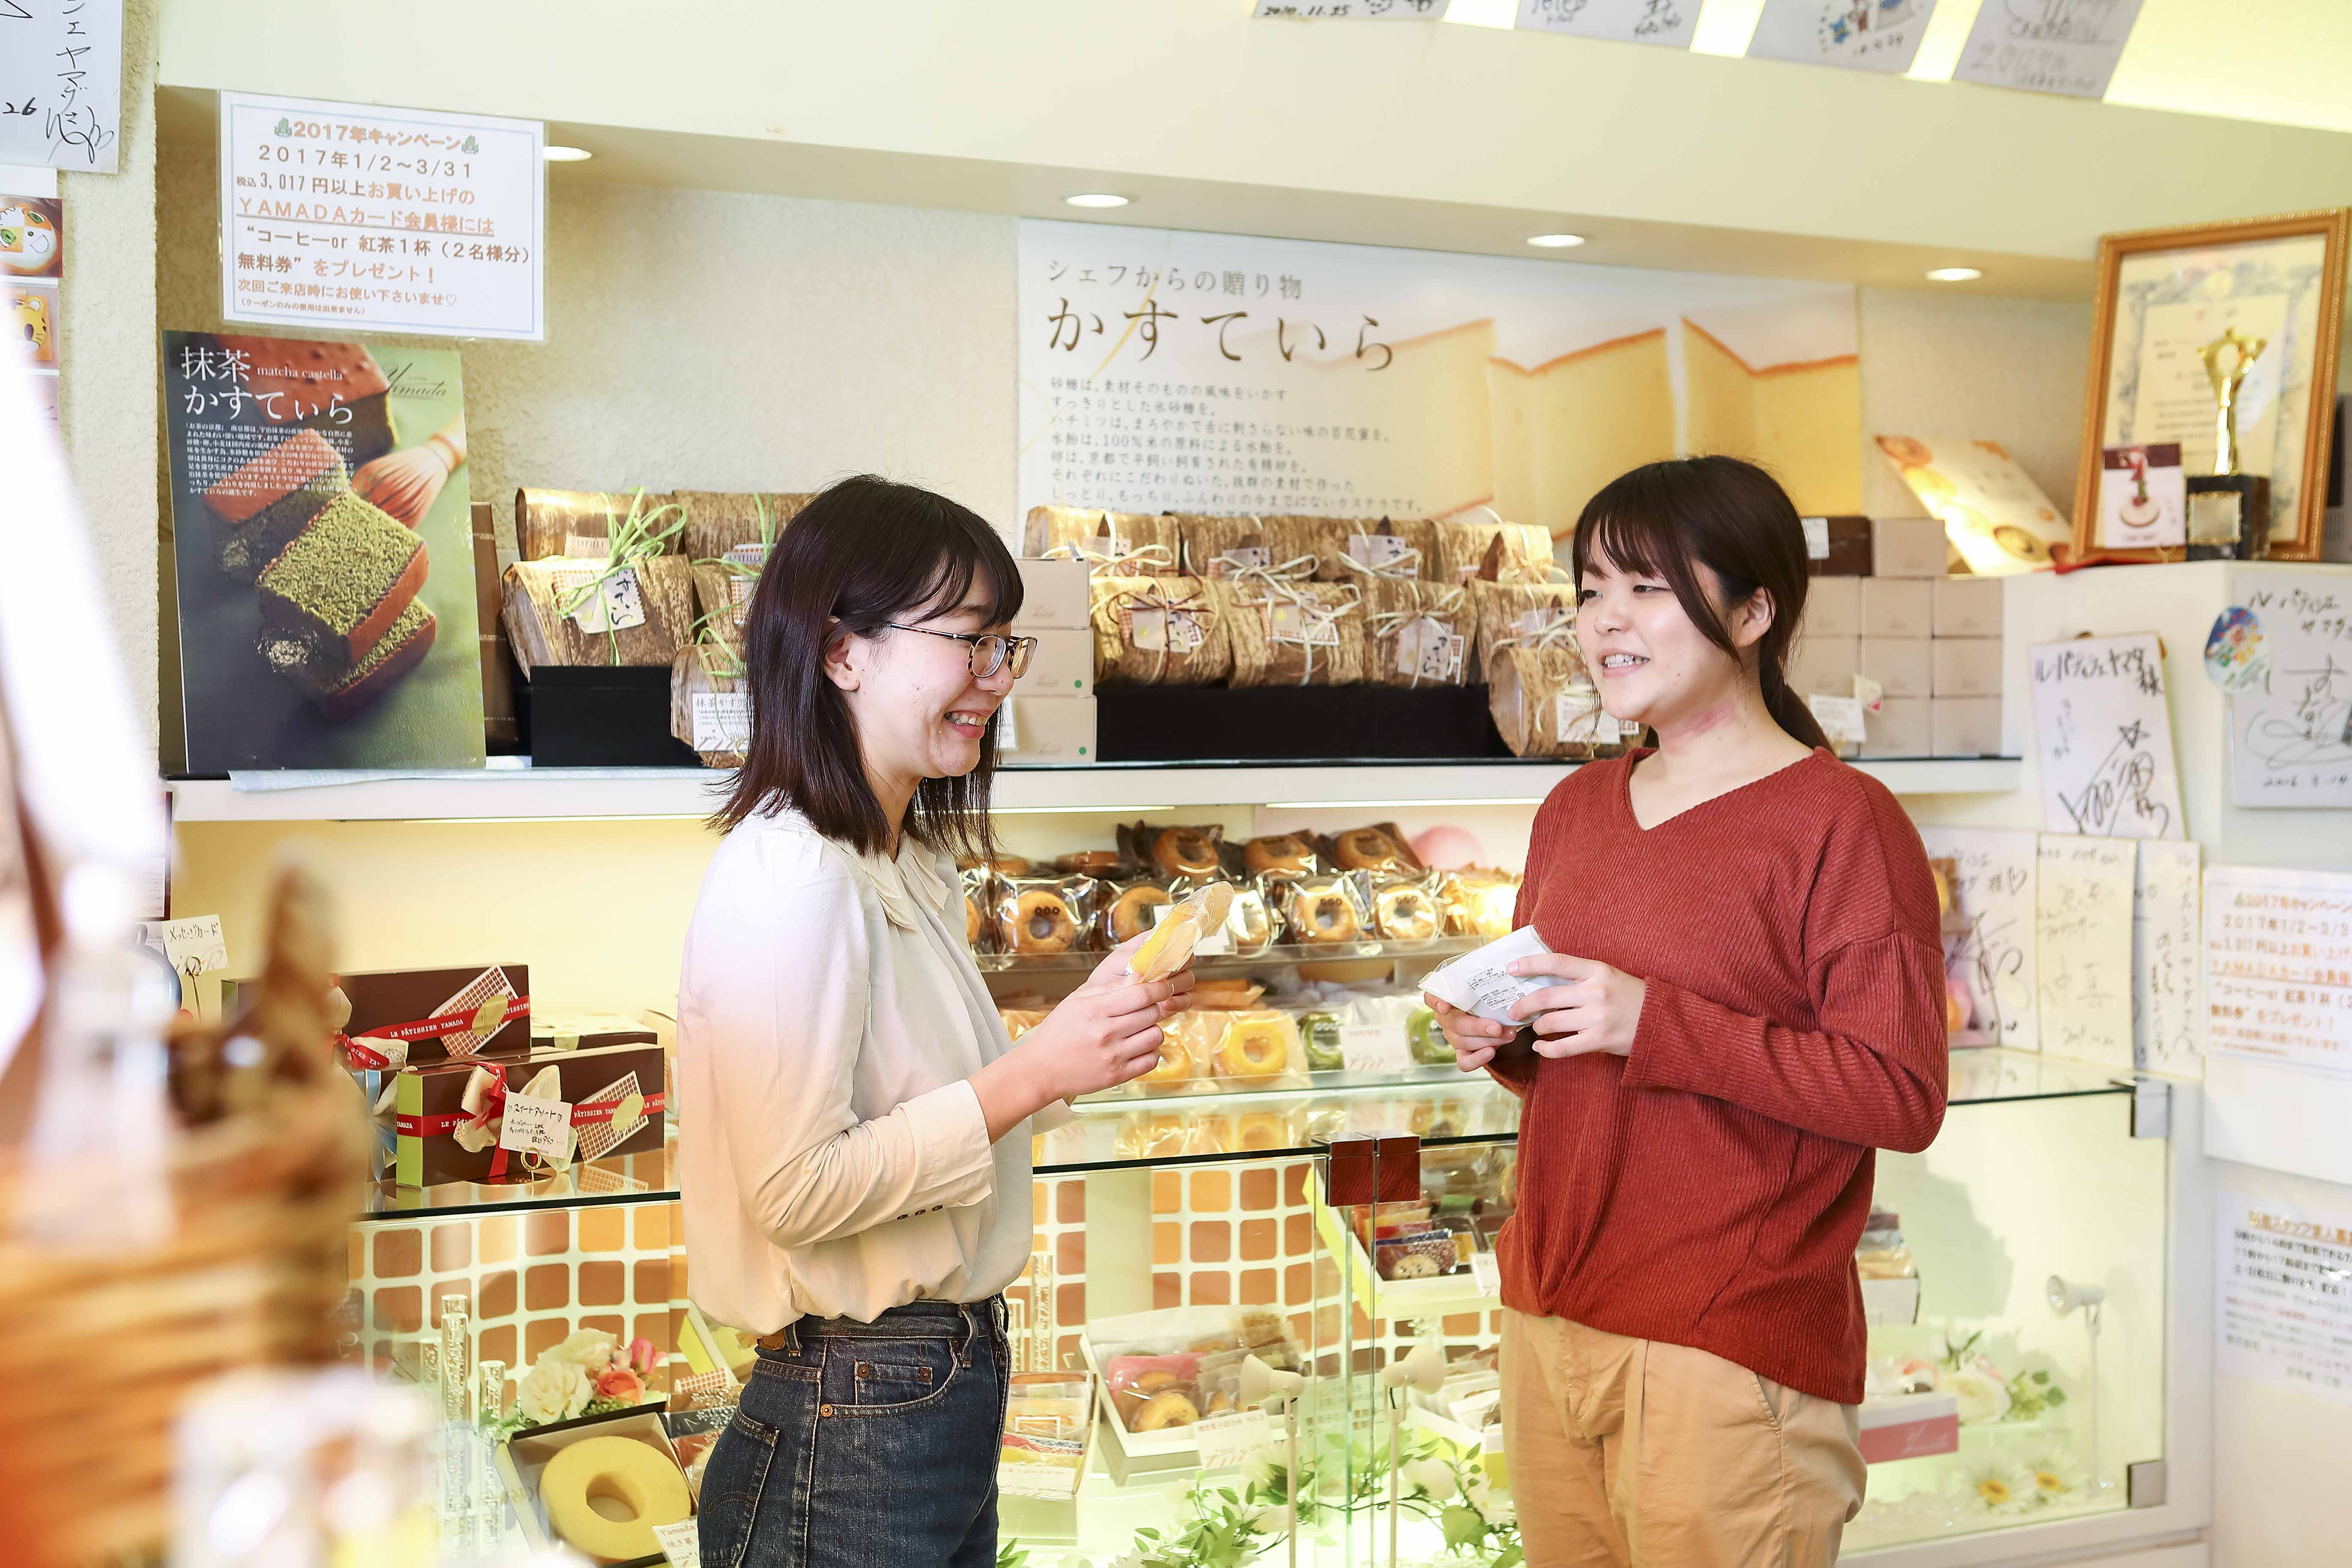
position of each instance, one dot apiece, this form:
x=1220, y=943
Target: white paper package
x=1478, y=981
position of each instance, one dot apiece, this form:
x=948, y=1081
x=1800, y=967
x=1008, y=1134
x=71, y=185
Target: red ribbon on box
x=584, y=1115
x=494, y=1101
x=361, y=1057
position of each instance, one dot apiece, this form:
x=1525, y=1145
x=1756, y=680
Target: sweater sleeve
x=1874, y=1074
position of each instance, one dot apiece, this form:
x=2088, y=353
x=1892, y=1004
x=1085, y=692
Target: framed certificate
x=2165, y=298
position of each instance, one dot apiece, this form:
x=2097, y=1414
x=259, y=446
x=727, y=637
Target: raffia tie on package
x=708, y=702
x=1158, y=631
x=1418, y=634
x=551, y=524
x=1543, y=698
x=1404, y=551
x=1516, y=614
x=1290, y=633
x=1117, y=543
x=635, y=605
x=1488, y=547
x=1322, y=538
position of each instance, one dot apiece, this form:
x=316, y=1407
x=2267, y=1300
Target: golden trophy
x=2228, y=511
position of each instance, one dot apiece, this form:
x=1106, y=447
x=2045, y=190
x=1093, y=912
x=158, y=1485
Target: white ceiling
x=2283, y=62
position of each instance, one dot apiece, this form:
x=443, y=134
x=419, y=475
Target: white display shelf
x=524, y=793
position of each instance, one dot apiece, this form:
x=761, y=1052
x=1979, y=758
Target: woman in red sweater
x=1746, y=1000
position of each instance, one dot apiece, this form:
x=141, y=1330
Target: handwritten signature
x=2121, y=788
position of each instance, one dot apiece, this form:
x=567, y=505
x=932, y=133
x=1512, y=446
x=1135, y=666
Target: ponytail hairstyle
x=1668, y=520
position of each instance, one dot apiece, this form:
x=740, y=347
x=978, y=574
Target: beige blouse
x=832, y=1160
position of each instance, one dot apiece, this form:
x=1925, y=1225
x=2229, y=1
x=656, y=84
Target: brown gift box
x=541, y=634
x=548, y=523
x=586, y=1032
x=615, y=1093
x=399, y=1004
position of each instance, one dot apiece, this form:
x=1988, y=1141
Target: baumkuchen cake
x=337, y=688
x=258, y=509
x=344, y=580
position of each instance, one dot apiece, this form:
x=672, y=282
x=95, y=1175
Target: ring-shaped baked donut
x=639, y=1476
x=1327, y=916
x=1278, y=852
x=1126, y=916
x=1366, y=849
x=1254, y=1048
x=1184, y=852
x=1406, y=914
x=1042, y=922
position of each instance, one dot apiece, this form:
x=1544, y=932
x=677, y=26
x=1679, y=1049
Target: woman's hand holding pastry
x=1474, y=1039
x=1594, y=1008
x=1114, y=971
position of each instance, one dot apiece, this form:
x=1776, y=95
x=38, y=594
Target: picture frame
x=2162, y=294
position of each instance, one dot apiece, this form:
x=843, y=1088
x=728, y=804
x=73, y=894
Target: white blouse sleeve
x=783, y=972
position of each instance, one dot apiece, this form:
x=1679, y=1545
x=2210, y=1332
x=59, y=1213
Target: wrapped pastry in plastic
x=1405, y=908
x=1128, y=907
x=1152, y=1392
x=1380, y=847
x=1174, y=851
x=1046, y=914
x=1281, y=855
x=1479, y=901
x=1320, y=911
x=1224, y=995
x=1255, y=1043
x=979, y=896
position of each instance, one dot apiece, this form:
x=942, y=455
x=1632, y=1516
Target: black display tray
x=601, y=716
x=1293, y=723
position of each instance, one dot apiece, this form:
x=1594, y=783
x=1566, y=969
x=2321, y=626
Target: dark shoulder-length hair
x=1666, y=519
x=864, y=552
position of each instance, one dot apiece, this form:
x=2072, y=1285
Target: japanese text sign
x=388, y=220
x=61, y=83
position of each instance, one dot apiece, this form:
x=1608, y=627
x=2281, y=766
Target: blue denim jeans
x=858, y=1444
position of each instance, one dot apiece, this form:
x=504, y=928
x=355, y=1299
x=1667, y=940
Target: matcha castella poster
x=324, y=553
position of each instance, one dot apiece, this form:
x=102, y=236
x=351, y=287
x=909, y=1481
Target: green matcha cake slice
x=258, y=509
x=339, y=689
x=344, y=580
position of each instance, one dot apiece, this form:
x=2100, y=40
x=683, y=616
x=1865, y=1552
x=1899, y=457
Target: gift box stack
x=1885, y=624
x=466, y=1084
x=1425, y=604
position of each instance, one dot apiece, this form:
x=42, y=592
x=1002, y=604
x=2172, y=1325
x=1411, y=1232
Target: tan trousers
x=1639, y=1454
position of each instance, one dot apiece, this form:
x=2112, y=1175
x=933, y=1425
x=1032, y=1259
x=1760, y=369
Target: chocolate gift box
x=451, y=1119
x=414, y=1015
x=586, y=1032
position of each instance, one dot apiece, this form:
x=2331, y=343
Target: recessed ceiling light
x=568, y=154
x=1555, y=241
x=1096, y=199
x=1954, y=275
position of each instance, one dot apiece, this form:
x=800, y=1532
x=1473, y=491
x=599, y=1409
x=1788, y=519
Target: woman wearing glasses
x=854, y=1163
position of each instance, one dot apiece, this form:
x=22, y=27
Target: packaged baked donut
x=1291, y=632
x=1046, y=913
x=1178, y=851
x=1324, y=911
x=1281, y=855
x=1419, y=634
x=1405, y=906
x=1124, y=543
x=1128, y=907
x=978, y=885
x=1152, y=1392
x=1103, y=865
x=1378, y=847
x=1256, y=1043
x=1158, y=631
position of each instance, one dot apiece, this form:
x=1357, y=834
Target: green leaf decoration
x=1464, y=1525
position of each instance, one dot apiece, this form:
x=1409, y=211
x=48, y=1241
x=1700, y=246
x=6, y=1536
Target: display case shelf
x=1431, y=951
x=504, y=792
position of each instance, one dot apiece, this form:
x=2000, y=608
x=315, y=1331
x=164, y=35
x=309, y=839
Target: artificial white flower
x=1267, y=1467
x=592, y=1349
x=1982, y=1399
x=1996, y=1484
x=554, y=1390
x=2057, y=1476
x=1266, y=1518
x=1431, y=1476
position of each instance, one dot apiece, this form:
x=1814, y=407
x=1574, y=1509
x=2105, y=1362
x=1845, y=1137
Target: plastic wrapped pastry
x=1046, y=914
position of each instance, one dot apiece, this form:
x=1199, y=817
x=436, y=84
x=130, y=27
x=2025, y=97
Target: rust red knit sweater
x=1709, y=1189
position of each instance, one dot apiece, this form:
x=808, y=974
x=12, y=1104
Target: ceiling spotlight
x=555, y=155
x=1954, y=275
x=1555, y=241
x=1096, y=199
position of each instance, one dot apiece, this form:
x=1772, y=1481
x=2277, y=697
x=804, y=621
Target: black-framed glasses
x=990, y=651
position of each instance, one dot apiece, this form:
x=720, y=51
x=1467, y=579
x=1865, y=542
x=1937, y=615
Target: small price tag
x=1164, y=631
x=1228, y=1441
x=1840, y=716
x=541, y=1127
x=195, y=945
x=1287, y=622
x=581, y=546
x=1376, y=549
x=1375, y=1047
x=1486, y=1271
x=1241, y=559
x=1870, y=694
x=1425, y=648
x=681, y=1544
x=723, y=720
x=1817, y=538
x=754, y=556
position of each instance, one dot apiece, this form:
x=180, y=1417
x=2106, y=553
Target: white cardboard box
x=1965, y=727
x=1833, y=607
x=1063, y=666
x=1907, y=547
x=1048, y=729
x=1968, y=667
x=1896, y=606
x=1910, y=1426
x=1053, y=593
x=1901, y=727
x=1823, y=664
x=1967, y=607
x=1901, y=666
